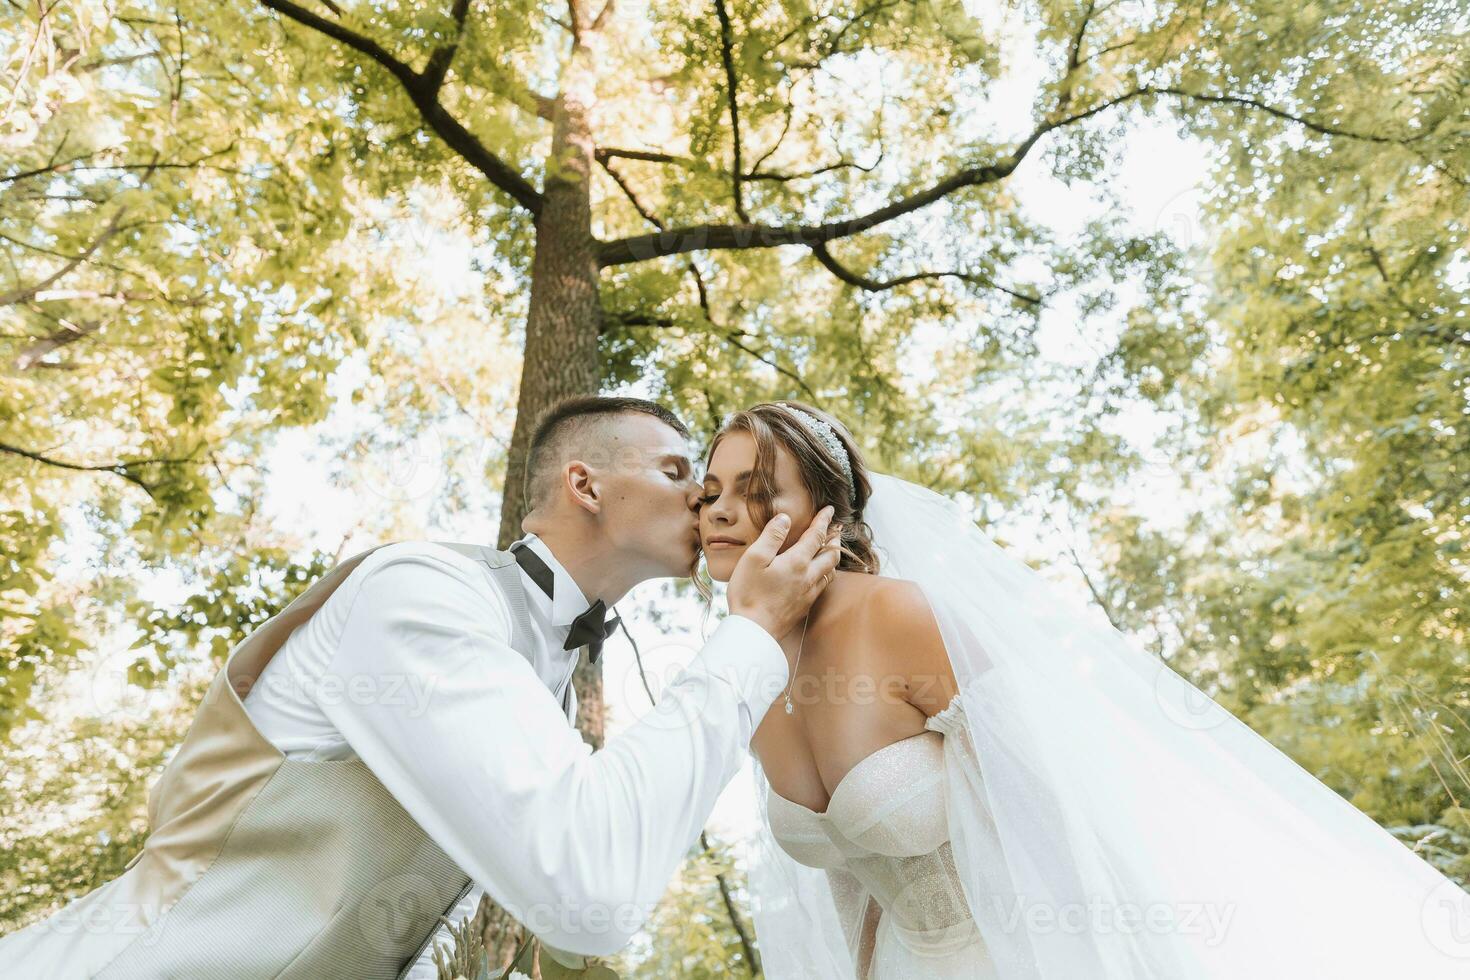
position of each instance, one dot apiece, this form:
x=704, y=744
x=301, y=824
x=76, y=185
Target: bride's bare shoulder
x=849, y=601
x=899, y=623
x=893, y=599
x=859, y=600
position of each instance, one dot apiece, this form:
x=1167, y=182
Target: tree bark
x=565, y=316
x=561, y=358
x=566, y=312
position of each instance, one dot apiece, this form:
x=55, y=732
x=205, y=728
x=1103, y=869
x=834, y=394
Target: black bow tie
x=588, y=629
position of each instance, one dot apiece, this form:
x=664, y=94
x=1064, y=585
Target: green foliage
x=73, y=800
x=1321, y=380
x=33, y=631
x=242, y=593
x=692, y=933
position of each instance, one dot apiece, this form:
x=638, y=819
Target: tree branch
x=620, y=319
x=1097, y=595
x=424, y=96
x=873, y=285
x=1250, y=103
x=834, y=42
x=842, y=164
x=643, y=212
x=576, y=15
x=120, y=61
x=29, y=292
x=709, y=237
x=1392, y=284
x=69, y=333
x=752, y=961
x=604, y=16
x=605, y=153
x=733, y=338
x=790, y=114
x=646, y=320
x=727, y=55
x=121, y=296
x=438, y=65
x=1074, y=53
x=337, y=32
x=67, y=166
x=123, y=469
x=51, y=167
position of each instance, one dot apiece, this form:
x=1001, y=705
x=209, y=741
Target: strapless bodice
x=885, y=826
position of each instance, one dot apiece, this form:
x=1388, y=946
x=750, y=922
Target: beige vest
x=262, y=866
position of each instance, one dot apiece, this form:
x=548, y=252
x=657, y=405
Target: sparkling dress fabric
x=884, y=845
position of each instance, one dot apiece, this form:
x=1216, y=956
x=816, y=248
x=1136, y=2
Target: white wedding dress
x=1079, y=811
x=884, y=844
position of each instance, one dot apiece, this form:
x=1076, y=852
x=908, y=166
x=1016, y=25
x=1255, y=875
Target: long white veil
x=1109, y=820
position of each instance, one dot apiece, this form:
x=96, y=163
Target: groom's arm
x=579, y=846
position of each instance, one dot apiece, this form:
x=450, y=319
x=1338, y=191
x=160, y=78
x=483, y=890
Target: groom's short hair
x=570, y=427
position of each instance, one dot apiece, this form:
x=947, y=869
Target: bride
x=968, y=777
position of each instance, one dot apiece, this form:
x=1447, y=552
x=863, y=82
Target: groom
x=315, y=823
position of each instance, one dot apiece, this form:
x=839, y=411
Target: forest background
x=1173, y=294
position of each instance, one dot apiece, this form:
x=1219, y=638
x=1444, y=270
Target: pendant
x=789, y=708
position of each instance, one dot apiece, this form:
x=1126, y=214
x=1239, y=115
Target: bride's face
x=726, y=526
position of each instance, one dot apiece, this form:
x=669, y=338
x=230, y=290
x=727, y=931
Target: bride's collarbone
x=842, y=666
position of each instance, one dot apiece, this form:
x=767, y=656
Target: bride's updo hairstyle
x=822, y=471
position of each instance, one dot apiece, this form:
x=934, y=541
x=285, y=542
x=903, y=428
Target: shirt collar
x=568, y=602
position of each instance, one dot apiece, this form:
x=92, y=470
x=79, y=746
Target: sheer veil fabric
x=1108, y=819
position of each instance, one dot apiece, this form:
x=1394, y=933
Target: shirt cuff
x=745, y=656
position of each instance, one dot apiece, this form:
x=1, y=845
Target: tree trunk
x=561, y=359
x=566, y=313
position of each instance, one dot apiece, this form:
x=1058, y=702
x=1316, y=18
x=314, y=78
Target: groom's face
x=651, y=496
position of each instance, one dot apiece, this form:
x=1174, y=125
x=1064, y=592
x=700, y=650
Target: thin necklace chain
x=789, y=706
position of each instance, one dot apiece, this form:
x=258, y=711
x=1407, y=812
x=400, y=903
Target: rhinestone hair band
x=827, y=436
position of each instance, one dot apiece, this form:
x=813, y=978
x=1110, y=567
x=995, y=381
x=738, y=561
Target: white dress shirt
x=408, y=666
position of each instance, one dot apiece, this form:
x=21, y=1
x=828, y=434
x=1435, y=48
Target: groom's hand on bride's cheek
x=776, y=588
